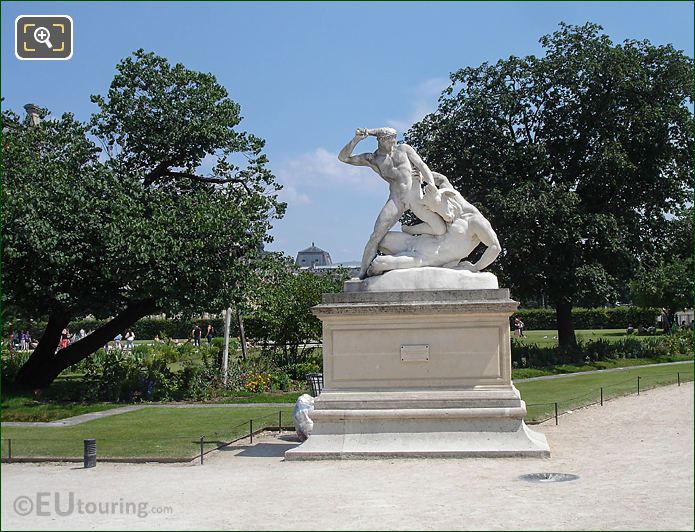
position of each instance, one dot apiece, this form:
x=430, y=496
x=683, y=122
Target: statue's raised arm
x=346, y=156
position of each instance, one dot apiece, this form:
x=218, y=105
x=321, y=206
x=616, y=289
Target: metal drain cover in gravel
x=548, y=477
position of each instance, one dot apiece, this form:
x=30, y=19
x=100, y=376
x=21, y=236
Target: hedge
x=589, y=318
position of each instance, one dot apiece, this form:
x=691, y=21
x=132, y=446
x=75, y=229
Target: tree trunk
x=242, y=333
x=565, y=328
x=34, y=369
x=44, y=366
x=225, y=350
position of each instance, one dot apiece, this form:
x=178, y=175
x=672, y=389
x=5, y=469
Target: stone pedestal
x=422, y=373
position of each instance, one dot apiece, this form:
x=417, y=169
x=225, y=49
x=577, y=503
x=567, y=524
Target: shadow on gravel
x=267, y=450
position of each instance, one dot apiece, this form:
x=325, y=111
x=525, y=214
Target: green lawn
x=548, y=338
x=575, y=391
x=151, y=432
x=26, y=408
x=58, y=401
x=23, y=408
x=525, y=373
x=175, y=432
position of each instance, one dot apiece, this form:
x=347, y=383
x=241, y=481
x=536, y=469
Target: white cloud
x=292, y=196
x=320, y=170
x=207, y=164
x=423, y=102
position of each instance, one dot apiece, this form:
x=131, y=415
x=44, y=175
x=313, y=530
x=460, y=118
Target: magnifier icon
x=42, y=35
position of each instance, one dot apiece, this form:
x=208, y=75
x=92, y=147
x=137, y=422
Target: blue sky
x=308, y=73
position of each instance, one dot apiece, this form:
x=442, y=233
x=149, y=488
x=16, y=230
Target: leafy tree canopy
x=119, y=217
x=576, y=157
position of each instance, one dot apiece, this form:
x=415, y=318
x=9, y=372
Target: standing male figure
x=397, y=164
x=196, y=334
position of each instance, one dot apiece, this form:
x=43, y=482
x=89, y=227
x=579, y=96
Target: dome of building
x=313, y=256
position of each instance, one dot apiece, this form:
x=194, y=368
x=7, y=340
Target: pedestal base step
x=521, y=443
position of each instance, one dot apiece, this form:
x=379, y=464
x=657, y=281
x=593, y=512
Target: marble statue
x=417, y=358
x=450, y=229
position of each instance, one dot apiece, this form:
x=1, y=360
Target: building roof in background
x=313, y=256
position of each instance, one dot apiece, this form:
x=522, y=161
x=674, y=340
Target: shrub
x=599, y=349
x=280, y=381
x=11, y=364
x=167, y=351
x=121, y=376
x=298, y=371
x=195, y=383
x=680, y=343
x=533, y=356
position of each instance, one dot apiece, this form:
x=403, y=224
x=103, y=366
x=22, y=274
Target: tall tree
x=134, y=225
x=576, y=157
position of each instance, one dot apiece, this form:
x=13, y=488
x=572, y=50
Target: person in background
x=519, y=326
x=64, y=339
x=196, y=334
x=24, y=341
x=117, y=341
x=209, y=334
x=665, y=323
x=129, y=339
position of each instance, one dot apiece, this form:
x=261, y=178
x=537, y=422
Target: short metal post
x=90, y=453
x=202, y=449
x=9, y=451
x=250, y=430
x=280, y=421
x=601, y=395
x=556, y=413
x=679, y=378
x=638, y=384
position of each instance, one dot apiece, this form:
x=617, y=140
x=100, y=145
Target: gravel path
x=634, y=457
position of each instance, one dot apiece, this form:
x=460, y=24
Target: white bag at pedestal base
x=301, y=414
